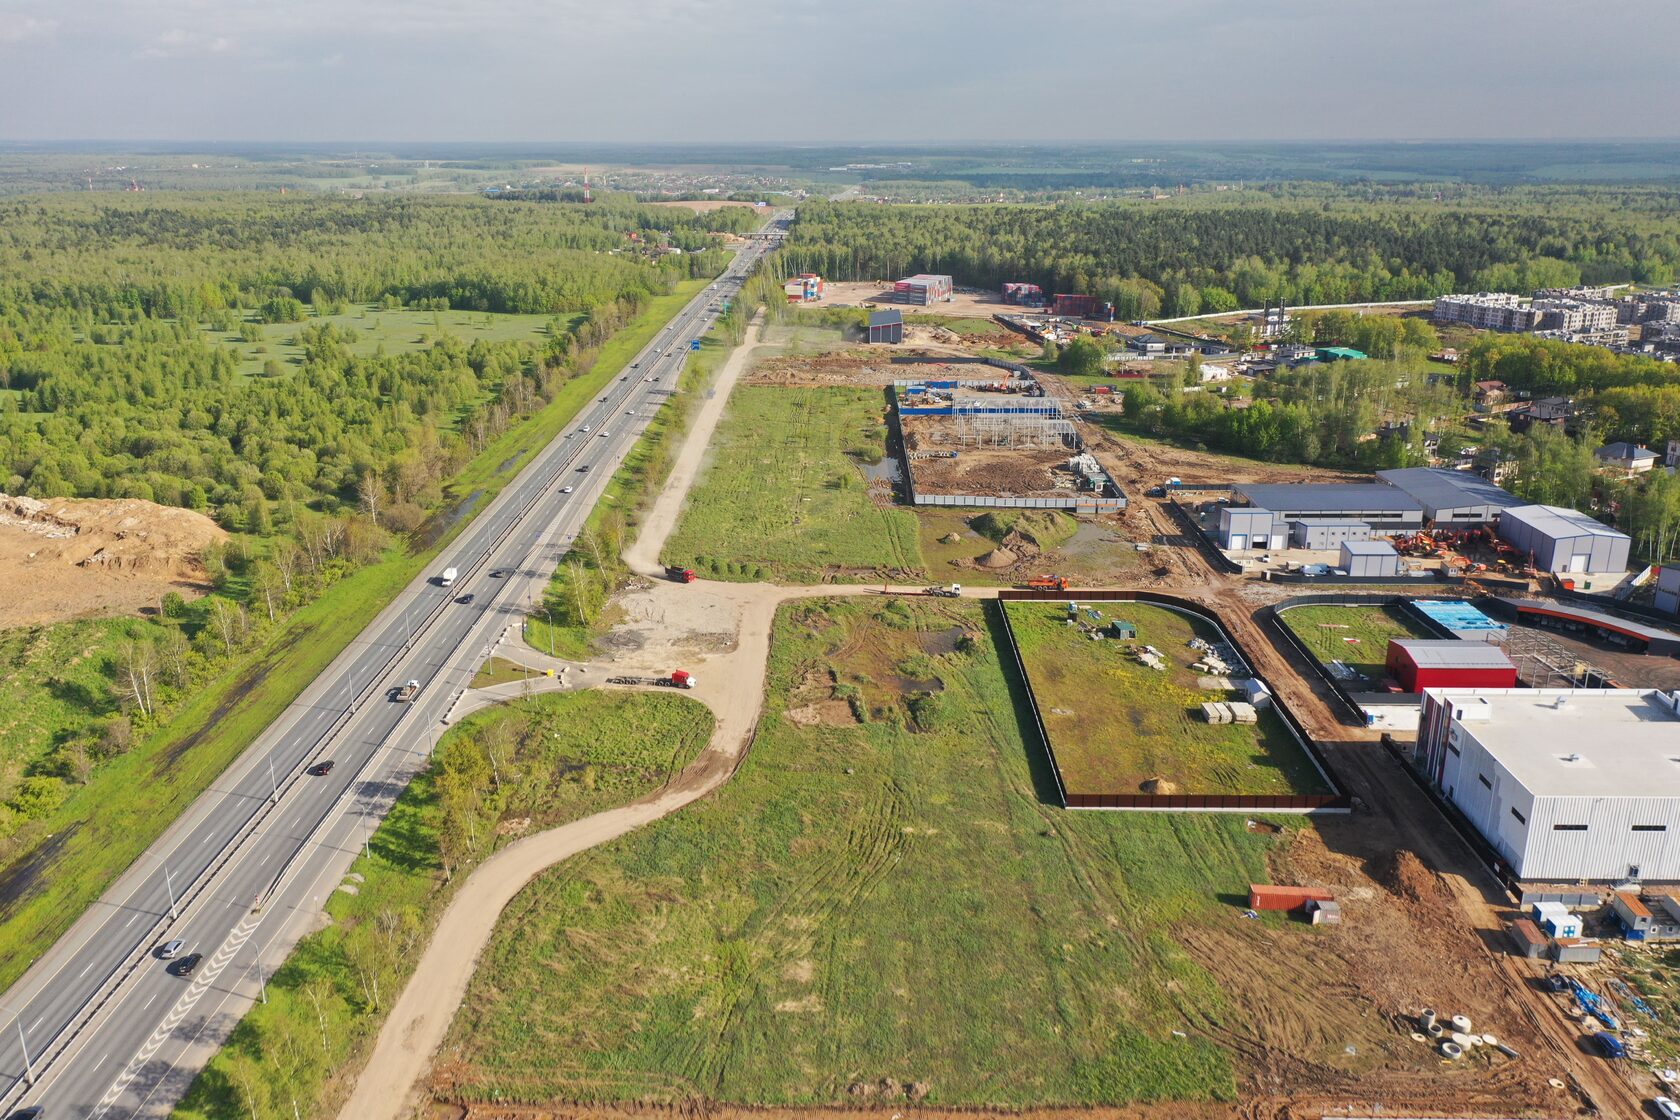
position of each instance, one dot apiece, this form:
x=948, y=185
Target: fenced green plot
x=1357, y=636
x=1118, y=725
x=785, y=495
x=883, y=891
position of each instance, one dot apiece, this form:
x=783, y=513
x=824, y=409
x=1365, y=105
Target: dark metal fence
x=1335, y=801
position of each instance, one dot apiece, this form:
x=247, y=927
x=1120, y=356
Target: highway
x=100, y=1026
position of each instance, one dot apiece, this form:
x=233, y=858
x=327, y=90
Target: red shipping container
x=1262, y=897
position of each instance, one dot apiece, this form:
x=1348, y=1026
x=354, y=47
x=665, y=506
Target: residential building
x=1488, y=311
x=1556, y=411
x=1565, y=784
x=1629, y=458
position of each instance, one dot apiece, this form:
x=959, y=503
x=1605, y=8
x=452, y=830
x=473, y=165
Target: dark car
x=322, y=769
x=185, y=966
x=498, y=573
x=464, y=599
x=584, y=469
x=33, y=1112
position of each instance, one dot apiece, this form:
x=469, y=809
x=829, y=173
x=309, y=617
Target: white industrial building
x=1566, y=784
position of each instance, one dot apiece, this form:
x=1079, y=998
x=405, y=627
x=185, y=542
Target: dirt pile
x=88, y=556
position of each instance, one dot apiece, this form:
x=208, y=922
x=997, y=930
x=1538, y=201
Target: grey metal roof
x=1330, y=497
x=1625, y=452
x=1369, y=548
x=1438, y=488
x=885, y=318
x=1559, y=523
x=1450, y=653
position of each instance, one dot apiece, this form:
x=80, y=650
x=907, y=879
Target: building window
x=1483, y=779
x=1454, y=749
x=1569, y=828
x=1520, y=818
x=1650, y=828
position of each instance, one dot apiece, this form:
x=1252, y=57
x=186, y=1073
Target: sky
x=836, y=70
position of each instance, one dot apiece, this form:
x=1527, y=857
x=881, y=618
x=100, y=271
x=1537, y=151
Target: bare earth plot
x=73, y=557
x=1118, y=726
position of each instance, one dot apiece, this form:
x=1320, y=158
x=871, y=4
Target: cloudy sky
x=836, y=70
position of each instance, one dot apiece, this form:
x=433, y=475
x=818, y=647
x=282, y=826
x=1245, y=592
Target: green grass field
x=884, y=890
x=398, y=332
x=784, y=495
x=1356, y=636
x=1115, y=723
x=105, y=824
x=559, y=758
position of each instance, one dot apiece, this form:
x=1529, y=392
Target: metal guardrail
x=194, y=890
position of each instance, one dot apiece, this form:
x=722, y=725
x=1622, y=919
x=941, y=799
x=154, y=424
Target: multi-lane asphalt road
x=100, y=1026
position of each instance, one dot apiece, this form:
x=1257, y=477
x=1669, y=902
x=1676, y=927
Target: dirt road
x=1440, y=900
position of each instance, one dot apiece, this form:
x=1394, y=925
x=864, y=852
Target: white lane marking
x=149, y=1001
x=88, y=969
x=131, y=919
x=202, y=982
x=99, y=1063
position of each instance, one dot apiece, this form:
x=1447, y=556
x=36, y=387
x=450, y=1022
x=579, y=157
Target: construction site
x=996, y=443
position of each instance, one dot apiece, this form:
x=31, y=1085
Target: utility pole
x=169, y=883
x=273, y=786
x=262, y=981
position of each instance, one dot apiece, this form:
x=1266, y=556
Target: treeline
x=1165, y=258
x=119, y=389
x=1621, y=396
x=189, y=256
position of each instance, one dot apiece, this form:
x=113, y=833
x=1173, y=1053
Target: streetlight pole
x=273, y=785
x=28, y=1066
x=262, y=981
x=170, y=883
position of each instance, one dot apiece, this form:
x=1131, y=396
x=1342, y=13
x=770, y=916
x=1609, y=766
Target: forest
x=1211, y=253
x=123, y=322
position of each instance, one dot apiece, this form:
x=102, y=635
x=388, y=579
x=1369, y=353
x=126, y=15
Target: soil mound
x=87, y=556
x=1158, y=785
x=999, y=558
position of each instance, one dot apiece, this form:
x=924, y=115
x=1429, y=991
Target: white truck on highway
x=448, y=578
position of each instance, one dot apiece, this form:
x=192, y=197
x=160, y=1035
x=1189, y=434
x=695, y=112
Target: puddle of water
x=443, y=521
x=943, y=641
x=508, y=462
x=887, y=470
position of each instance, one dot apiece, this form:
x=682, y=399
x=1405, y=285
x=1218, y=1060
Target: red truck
x=681, y=575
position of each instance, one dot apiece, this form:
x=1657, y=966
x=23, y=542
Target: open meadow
x=1357, y=636
x=882, y=903
x=1116, y=724
x=786, y=493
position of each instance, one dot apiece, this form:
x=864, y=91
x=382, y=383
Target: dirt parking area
x=965, y=303
x=78, y=557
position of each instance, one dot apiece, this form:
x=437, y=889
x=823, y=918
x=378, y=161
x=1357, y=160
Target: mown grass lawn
x=894, y=898
x=1356, y=636
x=559, y=757
x=105, y=824
x=785, y=496
x=1115, y=723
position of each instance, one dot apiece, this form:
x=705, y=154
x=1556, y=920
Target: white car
x=586, y=427
x=1666, y=1108
x=605, y=433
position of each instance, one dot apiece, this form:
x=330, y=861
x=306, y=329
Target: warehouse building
x=1246, y=527
x=1564, y=540
x=1385, y=508
x=923, y=288
x=1420, y=663
x=1326, y=532
x=1451, y=498
x=886, y=326
x=1565, y=784
x=1668, y=590
x=1370, y=559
